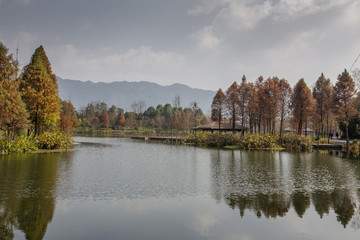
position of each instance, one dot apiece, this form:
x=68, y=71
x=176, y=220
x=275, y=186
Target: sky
x=205, y=44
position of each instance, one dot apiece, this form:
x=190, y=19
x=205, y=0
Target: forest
x=97, y=115
x=273, y=106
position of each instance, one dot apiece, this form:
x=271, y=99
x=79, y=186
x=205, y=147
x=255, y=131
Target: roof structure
x=214, y=126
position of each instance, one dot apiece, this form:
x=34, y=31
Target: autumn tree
x=40, y=91
x=260, y=100
x=322, y=93
x=252, y=107
x=232, y=102
x=284, y=101
x=217, y=107
x=68, y=119
x=270, y=102
x=243, y=97
x=302, y=104
x=104, y=119
x=13, y=114
x=121, y=119
x=344, y=92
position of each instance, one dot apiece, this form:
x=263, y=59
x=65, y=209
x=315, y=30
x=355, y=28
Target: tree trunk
x=347, y=138
x=281, y=127
x=233, y=120
x=300, y=126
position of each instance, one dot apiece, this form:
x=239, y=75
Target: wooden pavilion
x=224, y=127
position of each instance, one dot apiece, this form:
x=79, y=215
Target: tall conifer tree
x=40, y=91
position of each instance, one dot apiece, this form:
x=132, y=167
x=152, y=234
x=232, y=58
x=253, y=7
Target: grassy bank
x=250, y=141
x=45, y=141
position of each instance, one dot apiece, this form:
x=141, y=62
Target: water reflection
x=271, y=184
x=27, y=193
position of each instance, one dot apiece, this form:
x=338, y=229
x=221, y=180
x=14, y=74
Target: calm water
x=111, y=188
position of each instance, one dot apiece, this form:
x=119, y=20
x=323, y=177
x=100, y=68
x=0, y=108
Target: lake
x=116, y=188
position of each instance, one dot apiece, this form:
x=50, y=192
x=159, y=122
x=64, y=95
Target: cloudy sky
x=202, y=43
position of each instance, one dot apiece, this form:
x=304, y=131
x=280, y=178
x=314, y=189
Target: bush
x=54, y=140
x=296, y=143
x=250, y=141
x=212, y=139
x=21, y=143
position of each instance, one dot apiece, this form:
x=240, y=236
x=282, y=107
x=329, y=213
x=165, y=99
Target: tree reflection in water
x=27, y=193
x=271, y=184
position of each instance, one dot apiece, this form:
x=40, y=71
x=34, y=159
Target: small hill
x=123, y=94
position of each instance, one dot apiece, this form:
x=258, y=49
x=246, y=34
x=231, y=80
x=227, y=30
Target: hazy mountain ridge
x=123, y=94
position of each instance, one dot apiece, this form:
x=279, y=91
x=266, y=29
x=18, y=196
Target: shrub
x=251, y=141
x=21, y=143
x=296, y=143
x=54, y=140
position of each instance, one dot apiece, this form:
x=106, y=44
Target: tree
x=252, y=107
x=344, y=92
x=232, y=103
x=13, y=114
x=196, y=112
x=176, y=101
x=260, y=100
x=322, y=93
x=356, y=77
x=121, y=119
x=284, y=101
x=138, y=107
x=40, y=91
x=243, y=96
x=217, y=107
x=104, y=119
x=68, y=120
x=271, y=100
x=302, y=104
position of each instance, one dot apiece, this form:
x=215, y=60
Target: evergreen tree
x=40, y=91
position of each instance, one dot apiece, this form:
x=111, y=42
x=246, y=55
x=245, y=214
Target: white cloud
x=206, y=39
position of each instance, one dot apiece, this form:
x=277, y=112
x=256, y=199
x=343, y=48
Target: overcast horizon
x=206, y=44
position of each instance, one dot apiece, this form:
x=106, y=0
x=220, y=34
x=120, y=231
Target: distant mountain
x=123, y=94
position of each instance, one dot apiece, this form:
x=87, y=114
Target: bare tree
x=176, y=101
x=138, y=106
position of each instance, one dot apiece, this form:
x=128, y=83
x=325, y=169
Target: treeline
x=270, y=105
x=98, y=115
x=29, y=101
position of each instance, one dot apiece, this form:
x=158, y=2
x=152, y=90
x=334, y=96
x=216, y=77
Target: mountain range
x=123, y=94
